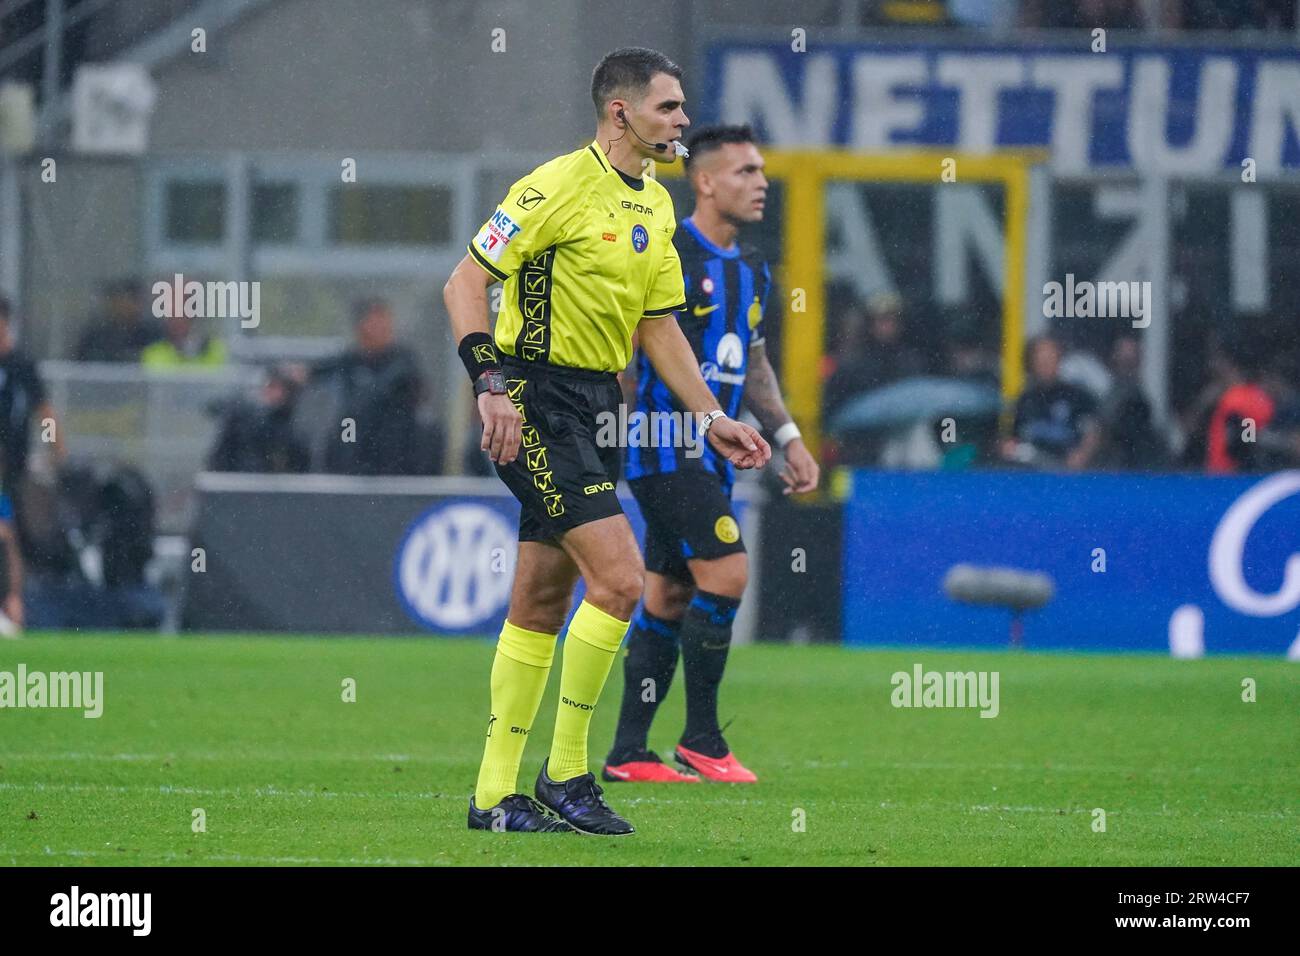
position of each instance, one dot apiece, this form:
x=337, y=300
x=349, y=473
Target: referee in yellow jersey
x=584, y=246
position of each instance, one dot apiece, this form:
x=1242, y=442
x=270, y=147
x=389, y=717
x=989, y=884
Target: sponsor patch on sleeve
x=496, y=235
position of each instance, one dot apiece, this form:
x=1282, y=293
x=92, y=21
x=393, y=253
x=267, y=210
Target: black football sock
x=647, y=674
x=705, y=639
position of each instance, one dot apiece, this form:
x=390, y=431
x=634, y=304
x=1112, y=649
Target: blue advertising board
x=1177, y=109
x=341, y=554
x=1126, y=553
x=454, y=566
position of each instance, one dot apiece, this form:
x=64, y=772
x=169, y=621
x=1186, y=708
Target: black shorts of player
x=687, y=515
x=565, y=473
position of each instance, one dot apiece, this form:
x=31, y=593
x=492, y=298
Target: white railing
x=160, y=421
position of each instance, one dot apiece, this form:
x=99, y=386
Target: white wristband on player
x=707, y=422
x=786, y=434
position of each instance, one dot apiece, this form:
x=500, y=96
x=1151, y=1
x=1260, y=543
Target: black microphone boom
x=661, y=147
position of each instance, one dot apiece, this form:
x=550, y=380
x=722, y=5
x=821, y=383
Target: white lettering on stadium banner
x=1155, y=109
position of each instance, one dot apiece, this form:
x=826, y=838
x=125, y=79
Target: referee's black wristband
x=479, y=354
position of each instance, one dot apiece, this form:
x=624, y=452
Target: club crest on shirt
x=640, y=238
x=706, y=284
x=726, y=529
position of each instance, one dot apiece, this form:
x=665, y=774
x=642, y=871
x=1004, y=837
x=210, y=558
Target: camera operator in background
x=261, y=436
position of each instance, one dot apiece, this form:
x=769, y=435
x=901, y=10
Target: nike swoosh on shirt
x=699, y=311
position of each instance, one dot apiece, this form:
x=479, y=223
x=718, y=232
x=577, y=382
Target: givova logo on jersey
x=455, y=566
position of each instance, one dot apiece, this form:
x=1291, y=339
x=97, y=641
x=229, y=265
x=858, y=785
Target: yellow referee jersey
x=583, y=255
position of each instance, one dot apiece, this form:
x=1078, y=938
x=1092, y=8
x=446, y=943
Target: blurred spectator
x=1055, y=422
x=986, y=14
x=870, y=352
x=92, y=538
x=184, y=346
x=968, y=359
x=911, y=12
x=124, y=330
x=1194, y=419
x=1082, y=14
x=973, y=441
x=1280, y=441
x=1243, y=410
x=1233, y=15
x=1129, y=436
x=22, y=400
x=380, y=387
x=261, y=436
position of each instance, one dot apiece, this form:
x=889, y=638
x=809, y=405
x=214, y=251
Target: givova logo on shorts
x=454, y=568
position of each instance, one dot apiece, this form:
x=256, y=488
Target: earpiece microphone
x=678, y=148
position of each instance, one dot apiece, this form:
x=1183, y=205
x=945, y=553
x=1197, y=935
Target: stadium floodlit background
x=964, y=192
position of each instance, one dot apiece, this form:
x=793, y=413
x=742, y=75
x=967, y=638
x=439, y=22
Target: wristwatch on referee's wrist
x=709, y=419
x=492, y=381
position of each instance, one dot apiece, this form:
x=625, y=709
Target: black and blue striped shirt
x=726, y=297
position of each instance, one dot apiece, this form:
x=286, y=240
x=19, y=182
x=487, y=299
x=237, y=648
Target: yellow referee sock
x=519, y=672
x=589, y=652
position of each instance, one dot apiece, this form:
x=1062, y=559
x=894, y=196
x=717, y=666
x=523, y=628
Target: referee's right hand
x=501, y=427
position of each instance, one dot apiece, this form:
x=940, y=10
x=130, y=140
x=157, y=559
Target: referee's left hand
x=502, y=427
x=739, y=444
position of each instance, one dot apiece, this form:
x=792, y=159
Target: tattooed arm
x=762, y=397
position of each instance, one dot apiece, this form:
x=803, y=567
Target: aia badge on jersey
x=640, y=238
x=496, y=235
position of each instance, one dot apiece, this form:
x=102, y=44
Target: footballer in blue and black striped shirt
x=696, y=566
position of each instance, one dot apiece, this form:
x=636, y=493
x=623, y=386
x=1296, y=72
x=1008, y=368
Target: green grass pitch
x=254, y=732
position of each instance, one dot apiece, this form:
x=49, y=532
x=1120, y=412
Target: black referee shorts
x=687, y=515
x=563, y=476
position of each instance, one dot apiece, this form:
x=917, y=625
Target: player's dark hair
x=709, y=138
x=628, y=71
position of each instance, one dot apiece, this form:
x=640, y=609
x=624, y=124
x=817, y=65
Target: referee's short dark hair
x=708, y=138
x=627, y=72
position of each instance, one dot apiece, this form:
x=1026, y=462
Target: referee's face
x=660, y=118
